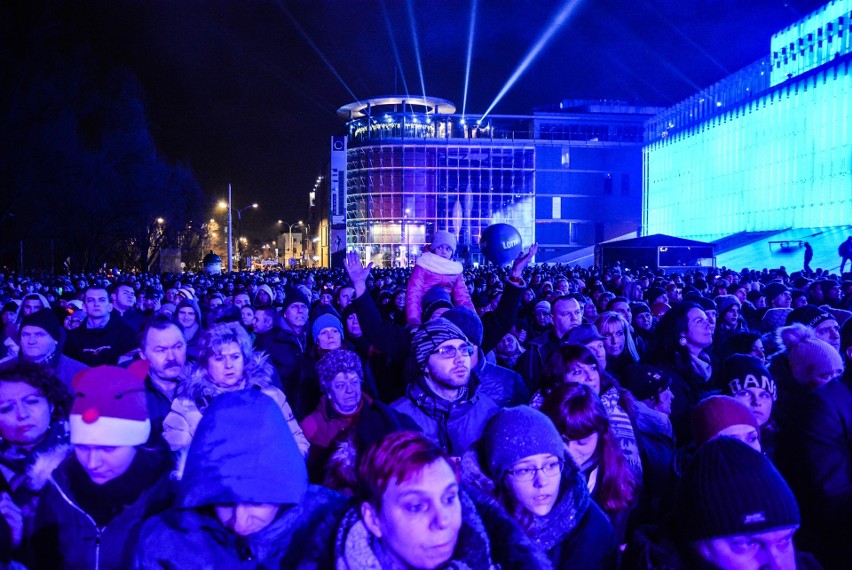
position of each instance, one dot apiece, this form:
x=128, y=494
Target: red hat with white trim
x=110, y=408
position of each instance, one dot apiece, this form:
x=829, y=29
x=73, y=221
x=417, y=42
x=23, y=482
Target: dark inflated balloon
x=500, y=243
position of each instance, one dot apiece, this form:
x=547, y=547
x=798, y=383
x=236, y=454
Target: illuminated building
x=767, y=148
x=565, y=177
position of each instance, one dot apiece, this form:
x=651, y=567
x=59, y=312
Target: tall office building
x=765, y=149
x=566, y=177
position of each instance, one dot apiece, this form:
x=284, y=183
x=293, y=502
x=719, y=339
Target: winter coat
x=432, y=270
x=531, y=363
x=456, y=425
x=286, y=350
x=66, y=536
x=325, y=426
x=576, y=533
x=189, y=405
x=106, y=345
x=503, y=385
x=487, y=540
x=25, y=473
x=231, y=461
x=159, y=406
x=689, y=387
x=63, y=367
x=817, y=462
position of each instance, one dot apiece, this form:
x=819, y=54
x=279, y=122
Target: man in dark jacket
x=100, y=339
x=819, y=464
x=442, y=401
x=245, y=499
x=285, y=344
x=164, y=349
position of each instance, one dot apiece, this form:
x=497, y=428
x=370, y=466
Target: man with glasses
x=442, y=400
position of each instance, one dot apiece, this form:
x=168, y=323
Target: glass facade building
x=767, y=148
x=564, y=177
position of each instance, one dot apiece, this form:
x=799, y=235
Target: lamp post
x=240, y=230
x=307, y=228
x=230, y=207
x=299, y=223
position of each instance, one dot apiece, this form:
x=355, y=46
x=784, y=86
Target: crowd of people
x=532, y=416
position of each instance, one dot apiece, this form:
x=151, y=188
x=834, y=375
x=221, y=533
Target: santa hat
x=109, y=408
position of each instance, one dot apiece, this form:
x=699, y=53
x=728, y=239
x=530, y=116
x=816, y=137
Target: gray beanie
x=515, y=433
x=428, y=337
x=443, y=237
x=725, y=302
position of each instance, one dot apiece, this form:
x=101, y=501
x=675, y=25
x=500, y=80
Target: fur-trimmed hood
x=258, y=372
x=44, y=464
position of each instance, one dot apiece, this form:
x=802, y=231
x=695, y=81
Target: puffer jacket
x=230, y=462
x=432, y=270
x=456, y=425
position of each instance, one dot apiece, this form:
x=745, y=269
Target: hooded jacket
x=432, y=270
x=243, y=452
x=188, y=407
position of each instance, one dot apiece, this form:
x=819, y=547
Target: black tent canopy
x=658, y=251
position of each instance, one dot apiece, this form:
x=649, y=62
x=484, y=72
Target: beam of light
x=311, y=43
x=557, y=22
x=469, y=53
x=413, y=24
x=393, y=46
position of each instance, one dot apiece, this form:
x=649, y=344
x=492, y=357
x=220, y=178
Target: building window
x=557, y=208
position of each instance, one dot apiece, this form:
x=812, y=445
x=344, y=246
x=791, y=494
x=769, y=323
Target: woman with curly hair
x=34, y=406
x=584, y=426
x=226, y=363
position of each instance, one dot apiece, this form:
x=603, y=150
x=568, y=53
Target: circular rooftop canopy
x=376, y=105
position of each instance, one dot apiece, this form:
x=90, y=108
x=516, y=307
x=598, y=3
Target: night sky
x=236, y=90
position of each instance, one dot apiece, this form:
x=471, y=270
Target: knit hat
x=429, y=336
x=294, y=295
x=324, y=321
x=468, y=322
x=741, y=371
x=584, y=334
x=725, y=302
x=730, y=489
x=775, y=317
x=110, y=408
x=645, y=381
x=335, y=362
x=434, y=299
x=809, y=315
x=515, y=433
x=654, y=293
x=542, y=306
x=43, y=319
x=772, y=291
x=811, y=357
x=232, y=461
x=639, y=308
x=443, y=237
x=713, y=414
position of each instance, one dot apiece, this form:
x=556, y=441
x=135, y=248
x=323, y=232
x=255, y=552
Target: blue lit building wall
x=777, y=157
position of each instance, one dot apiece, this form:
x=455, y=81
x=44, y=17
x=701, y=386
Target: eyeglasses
x=448, y=352
x=528, y=473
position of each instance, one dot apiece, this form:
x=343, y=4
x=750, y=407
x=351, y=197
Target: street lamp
x=290, y=231
x=230, y=206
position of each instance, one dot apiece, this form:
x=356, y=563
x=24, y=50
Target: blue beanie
x=515, y=433
x=324, y=321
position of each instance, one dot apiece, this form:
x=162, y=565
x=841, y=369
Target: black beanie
x=294, y=295
x=468, y=321
x=809, y=315
x=740, y=371
x=44, y=319
x=730, y=489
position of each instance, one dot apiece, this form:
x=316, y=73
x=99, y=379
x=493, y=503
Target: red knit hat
x=109, y=408
x=716, y=413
